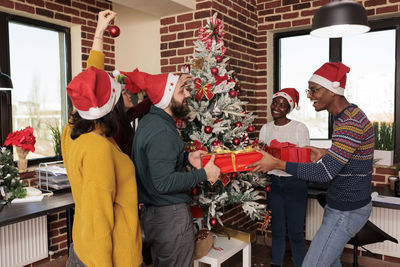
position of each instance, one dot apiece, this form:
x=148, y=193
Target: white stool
x=230, y=247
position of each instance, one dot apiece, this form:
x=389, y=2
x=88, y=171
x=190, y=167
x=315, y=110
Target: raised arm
x=96, y=56
x=105, y=17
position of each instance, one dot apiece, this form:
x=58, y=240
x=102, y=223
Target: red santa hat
x=332, y=76
x=159, y=88
x=291, y=95
x=93, y=93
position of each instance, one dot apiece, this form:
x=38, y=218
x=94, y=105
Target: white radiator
x=386, y=219
x=24, y=242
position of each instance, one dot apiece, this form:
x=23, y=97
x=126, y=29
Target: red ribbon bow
x=203, y=90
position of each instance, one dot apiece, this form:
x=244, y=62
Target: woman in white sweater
x=287, y=199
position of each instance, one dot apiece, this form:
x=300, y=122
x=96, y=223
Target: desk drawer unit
x=24, y=242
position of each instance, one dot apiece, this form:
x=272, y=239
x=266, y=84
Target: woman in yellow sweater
x=106, y=229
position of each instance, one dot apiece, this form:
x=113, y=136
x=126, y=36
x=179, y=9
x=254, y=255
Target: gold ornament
x=198, y=64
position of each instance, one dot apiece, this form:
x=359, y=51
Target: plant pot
x=384, y=157
x=22, y=161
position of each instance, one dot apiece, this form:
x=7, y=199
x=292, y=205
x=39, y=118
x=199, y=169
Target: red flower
x=22, y=138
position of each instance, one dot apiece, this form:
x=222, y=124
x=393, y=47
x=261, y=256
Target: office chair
x=369, y=234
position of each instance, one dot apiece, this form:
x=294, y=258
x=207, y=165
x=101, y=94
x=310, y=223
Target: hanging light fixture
x=340, y=18
x=5, y=82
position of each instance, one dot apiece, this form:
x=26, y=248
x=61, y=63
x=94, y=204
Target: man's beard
x=179, y=110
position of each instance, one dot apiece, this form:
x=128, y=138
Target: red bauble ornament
x=180, y=123
x=251, y=128
x=216, y=143
x=114, y=31
x=232, y=93
x=207, y=129
x=236, y=141
x=194, y=191
x=267, y=188
x=213, y=222
x=197, y=80
x=238, y=124
x=234, y=175
x=214, y=70
x=219, y=58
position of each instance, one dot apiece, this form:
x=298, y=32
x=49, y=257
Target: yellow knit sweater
x=106, y=229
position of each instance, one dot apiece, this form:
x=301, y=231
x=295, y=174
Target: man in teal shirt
x=160, y=160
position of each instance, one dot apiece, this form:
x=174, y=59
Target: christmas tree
x=10, y=183
x=219, y=122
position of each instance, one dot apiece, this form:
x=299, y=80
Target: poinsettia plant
x=22, y=138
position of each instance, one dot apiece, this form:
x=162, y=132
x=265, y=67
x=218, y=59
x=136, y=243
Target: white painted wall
x=138, y=45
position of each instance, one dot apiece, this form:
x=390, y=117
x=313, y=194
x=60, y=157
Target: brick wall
x=81, y=12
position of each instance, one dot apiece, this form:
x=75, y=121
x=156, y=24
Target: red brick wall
x=81, y=12
x=240, y=18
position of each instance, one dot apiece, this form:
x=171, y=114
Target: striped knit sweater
x=347, y=165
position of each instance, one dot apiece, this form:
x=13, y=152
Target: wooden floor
x=261, y=257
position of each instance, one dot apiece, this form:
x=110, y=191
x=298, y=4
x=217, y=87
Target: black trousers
x=169, y=232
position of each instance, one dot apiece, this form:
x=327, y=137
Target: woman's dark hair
x=82, y=126
x=121, y=114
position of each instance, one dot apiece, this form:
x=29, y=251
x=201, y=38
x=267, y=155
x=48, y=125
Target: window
x=36, y=55
x=371, y=84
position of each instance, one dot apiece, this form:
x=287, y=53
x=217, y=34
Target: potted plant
x=10, y=184
x=384, y=142
x=56, y=138
x=398, y=168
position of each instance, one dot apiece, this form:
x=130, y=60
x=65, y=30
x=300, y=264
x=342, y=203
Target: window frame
x=335, y=55
x=5, y=96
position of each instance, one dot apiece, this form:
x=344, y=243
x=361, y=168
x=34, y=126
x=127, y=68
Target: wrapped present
x=234, y=161
x=288, y=152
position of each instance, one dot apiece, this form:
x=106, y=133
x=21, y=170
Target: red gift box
x=233, y=161
x=288, y=152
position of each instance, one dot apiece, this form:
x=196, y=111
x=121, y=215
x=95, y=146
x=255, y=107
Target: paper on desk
x=385, y=199
x=27, y=199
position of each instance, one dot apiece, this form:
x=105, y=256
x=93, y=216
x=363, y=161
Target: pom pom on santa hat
x=291, y=95
x=93, y=93
x=159, y=88
x=332, y=76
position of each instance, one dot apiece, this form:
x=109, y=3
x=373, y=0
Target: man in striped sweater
x=346, y=166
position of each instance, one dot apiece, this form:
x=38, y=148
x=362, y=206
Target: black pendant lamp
x=5, y=82
x=340, y=18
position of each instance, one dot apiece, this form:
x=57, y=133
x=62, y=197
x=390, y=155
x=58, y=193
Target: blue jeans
x=337, y=228
x=287, y=201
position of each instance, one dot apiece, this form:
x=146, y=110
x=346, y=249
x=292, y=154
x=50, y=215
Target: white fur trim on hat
x=98, y=112
x=116, y=73
x=169, y=89
x=288, y=98
x=331, y=86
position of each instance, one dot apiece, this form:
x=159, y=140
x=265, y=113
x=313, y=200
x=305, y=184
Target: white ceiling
x=159, y=8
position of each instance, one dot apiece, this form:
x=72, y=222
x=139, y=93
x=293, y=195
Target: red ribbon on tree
x=203, y=90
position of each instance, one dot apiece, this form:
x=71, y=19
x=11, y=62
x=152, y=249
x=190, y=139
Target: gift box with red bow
x=288, y=152
x=233, y=161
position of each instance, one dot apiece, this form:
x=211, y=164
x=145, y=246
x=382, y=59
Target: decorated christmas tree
x=219, y=123
x=10, y=184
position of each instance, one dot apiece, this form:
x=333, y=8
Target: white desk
x=230, y=247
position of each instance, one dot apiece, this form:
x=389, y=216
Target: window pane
x=300, y=56
x=371, y=58
x=37, y=70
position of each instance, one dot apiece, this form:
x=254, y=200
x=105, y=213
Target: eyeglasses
x=312, y=91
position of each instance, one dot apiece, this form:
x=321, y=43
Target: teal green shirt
x=159, y=158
